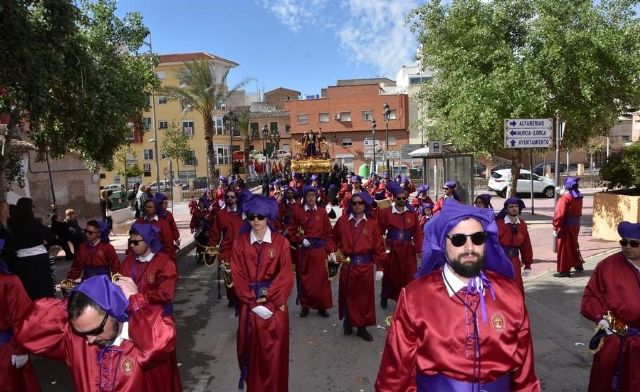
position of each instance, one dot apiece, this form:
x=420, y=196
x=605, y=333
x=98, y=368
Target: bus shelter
x=447, y=165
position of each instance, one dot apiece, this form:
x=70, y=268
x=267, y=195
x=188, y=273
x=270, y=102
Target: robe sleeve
x=239, y=274
x=559, y=213
x=76, y=268
x=327, y=234
x=417, y=234
x=215, y=233
x=154, y=335
x=44, y=328
x=281, y=287
x=18, y=303
x=291, y=229
x=167, y=278
x=174, y=228
x=397, y=368
x=379, y=250
x=594, y=304
x=523, y=378
x=525, y=249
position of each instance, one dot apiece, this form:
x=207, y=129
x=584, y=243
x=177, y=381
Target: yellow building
x=163, y=112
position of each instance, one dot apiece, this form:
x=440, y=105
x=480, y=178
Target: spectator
x=141, y=197
x=105, y=208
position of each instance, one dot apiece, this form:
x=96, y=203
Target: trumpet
x=226, y=273
x=300, y=231
x=210, y=253
x=387, y=321
x=67, y=285
x=115, y=277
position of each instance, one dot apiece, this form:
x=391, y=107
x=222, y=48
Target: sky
x=304, y=45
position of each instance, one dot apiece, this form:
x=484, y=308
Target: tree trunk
x=516, y=162
x=211, y=154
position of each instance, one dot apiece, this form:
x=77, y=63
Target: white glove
x=526, y=272
x=306, y=243
x=379, y=275
x=555, y=234
x=605, y=324
x=262, y=312
x=19, y=360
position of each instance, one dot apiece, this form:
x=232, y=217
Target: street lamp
x=373, y=131
x=274, y=138
x=154, y=140
x=229, y=120
x=265, y=134
x=387, y=113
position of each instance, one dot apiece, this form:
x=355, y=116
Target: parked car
x=281, y=154
x=540, y=168
x=165, y=185
x=500, y=180
x=496, y=168
x=112, y=187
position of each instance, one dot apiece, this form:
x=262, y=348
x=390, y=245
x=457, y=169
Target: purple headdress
x=260, y=205
x=571, y=185
x=107, y=295
x=509, y=201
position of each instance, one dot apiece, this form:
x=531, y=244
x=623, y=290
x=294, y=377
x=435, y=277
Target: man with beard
x=108, y=335
x=514, y=237
x=310, y=230
x=613, y=288
x=403, y=240
x=462, y=325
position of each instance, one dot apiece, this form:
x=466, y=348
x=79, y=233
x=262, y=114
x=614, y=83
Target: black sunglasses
x=633, y=243
x=357, y=203
x=90, y=231
x=135, y=242
x=253, y=217
x=460, y=239
x=97, y=331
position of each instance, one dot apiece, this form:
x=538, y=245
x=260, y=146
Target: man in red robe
x=514, y=238
x=155, y=277
x=16, y=370
x=449, y=189
x=462, y=325
x=403, y=240
x=360, y=247
x=151, y=217
x=162, y=209
x=107, y=334
x=421, y=197
x=613, y=287
x=224, y=232
x=263, y=279
x=95, y=256
x=311, y=231
x=566, y=226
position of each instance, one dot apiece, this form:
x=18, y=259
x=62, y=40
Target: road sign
x=395, y=154
x=435, y=147
x=528, y=132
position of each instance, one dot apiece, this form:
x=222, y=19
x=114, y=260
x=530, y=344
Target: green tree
x=202, y=89
x=122, y=168
x=72, y=72
x=623, y=170
x=176, y=145
x=502, y=59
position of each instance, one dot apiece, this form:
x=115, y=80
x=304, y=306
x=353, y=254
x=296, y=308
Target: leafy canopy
x=501, y=59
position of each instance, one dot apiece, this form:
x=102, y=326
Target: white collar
x=124, y=334
x=455, y=284
x=395, y=210
x=306, y=208
x=230, y=210
x=353, y=218
x=508, y=221
x=266, y=238
x=150, y=219
x=633, y=264
x=97, y=241
x=145, y=259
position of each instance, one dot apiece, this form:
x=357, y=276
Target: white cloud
x=369, y=31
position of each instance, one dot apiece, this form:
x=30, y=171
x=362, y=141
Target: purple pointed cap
x=423, y=188
x=629, y=230
x=451, y=184
x=107, y=295
x=150, y=235
x=395, y=188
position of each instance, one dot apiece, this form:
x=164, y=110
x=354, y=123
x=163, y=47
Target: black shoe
x=383, y=302
x=579, y=268
x=362, y=332
x=231, y=303
x=562, y=275
x=304, y=313
x=348, y=330
x=323, y=313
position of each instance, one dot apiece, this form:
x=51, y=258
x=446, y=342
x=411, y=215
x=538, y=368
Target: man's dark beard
x=468, y=270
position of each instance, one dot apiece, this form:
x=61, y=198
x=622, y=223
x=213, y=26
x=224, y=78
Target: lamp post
x=155, y=127
x=265, y=135
x=229, y=120
x=274, y=138
x=386, y=111
x=373, y=131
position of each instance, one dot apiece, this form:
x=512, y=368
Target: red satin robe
x=172, y=224
x=223, y=233
x=401, y=263
x=314, y=286
x=14, y=304
x=263, y=345
x=416, y=202
x=156, y=280
x=46, y=332
x=356, y=292
x=614, y=286
x=521, y=241
x=428, y=335
x=566, y=222
x=165, y=235
x=103, y=254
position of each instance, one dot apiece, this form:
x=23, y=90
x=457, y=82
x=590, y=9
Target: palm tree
x=202, y=90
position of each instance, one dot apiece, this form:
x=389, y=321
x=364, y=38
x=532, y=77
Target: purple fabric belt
x=88, y=272
x=633, y=331
x=260, y=288
x=360, y=259
x=167, y=309
x=316, y=243
x=440, y=383
x=511, y=251
x=5, y=336
x=398, y=235
x=571, y=221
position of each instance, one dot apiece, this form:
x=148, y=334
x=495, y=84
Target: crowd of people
x=455, y=272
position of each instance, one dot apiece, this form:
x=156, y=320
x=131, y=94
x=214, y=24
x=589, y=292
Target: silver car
x=500, y=180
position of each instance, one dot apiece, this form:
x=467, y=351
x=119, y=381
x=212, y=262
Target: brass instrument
x=332, y=266
x=226, y=273
x=300, y=231
x=387, y=321
x=67, y=285
x=210, y=253
x=615, y=326
x=115, y=277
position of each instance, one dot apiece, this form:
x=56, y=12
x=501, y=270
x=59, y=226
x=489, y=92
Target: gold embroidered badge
x=127, y=366
x=151, y=279
x=272, y=253
x=497, y=322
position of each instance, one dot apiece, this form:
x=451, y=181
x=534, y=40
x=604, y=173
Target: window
x=413, y=80
x=191, y=161
x=148, y=154
x=162, y=100
x=220, y=106
x=323, y=117
x=218, y=128
x=187, y=128
x=524, y=176
x=116, y=178
x=303, y=119
x=345, y=116
x=273, y=126
x=392, y=115
x=367, y=115
x=392, y=141
x=287, y=128
x=131, y=135
x=254, y=130
x=146, y=123
x=222, y=154
x=346, y=141
x=163, y=124
x=163, y=155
